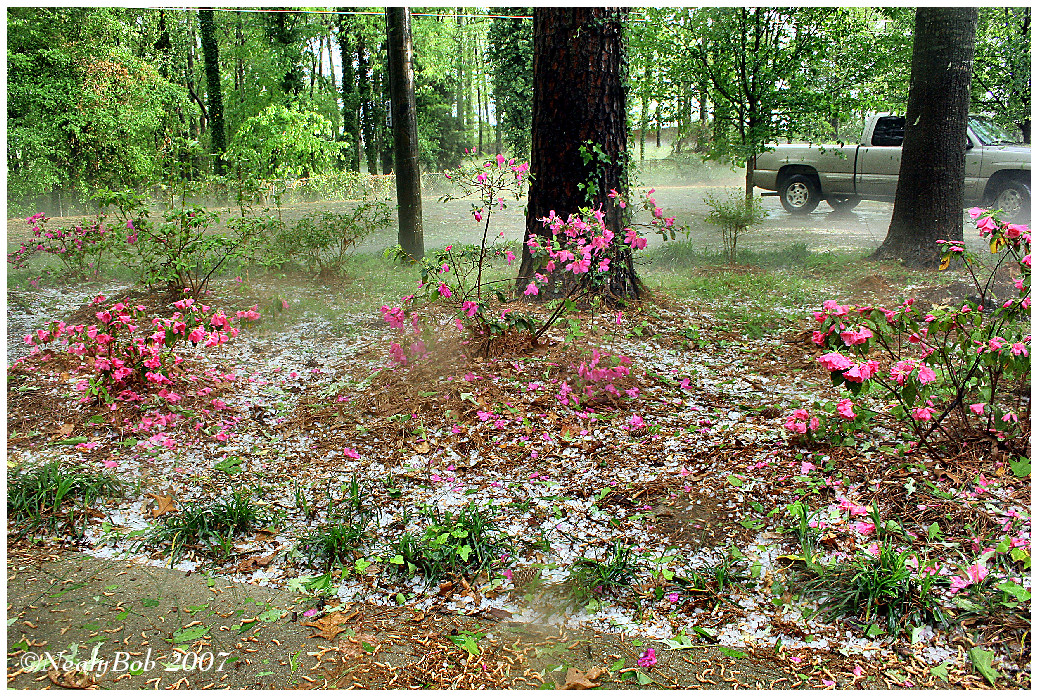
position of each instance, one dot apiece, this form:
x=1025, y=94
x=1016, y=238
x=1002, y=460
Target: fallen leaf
x=264, y=534
x=576, y=680
x=163, y=505
x=421, y=447
x=71, y=679
x=445, y=589
x=66, y=430
x=498, y=613
x=256, y=562
x=329, y=626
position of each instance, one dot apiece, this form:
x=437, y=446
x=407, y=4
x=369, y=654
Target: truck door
x=973, y=191
x=879, y=162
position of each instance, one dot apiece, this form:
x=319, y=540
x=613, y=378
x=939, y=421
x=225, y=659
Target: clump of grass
x=591, y=579
x=871, y=587
x=336, y=542
x=199, y=525
x=464, y=543
x=56, y=497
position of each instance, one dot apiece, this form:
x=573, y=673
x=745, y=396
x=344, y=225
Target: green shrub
x=733, y=214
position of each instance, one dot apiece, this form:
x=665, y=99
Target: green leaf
x=187, y=636
x=400, y=599
x=1021, y=467
x=361, y=565
x=1021, y=554
x=1015, y=590
x=229, y=465
x=367, y=647
x=644, y=679
x=271, y=615
x=916, y=634
x=941, y=671
x=464, y=551
x=617, y=665
x=731, y=653
x=981, y=660
x=734, y=481
x=397, y=559
x=703, y=632
x=873, y=631
x=933, y=532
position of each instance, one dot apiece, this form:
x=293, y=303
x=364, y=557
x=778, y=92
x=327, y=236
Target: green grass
x=211, y=526
x=53, y=496
x=591, y=579
x=337, y=541
x=875, y=588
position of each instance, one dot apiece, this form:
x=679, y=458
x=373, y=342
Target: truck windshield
x=991, y=133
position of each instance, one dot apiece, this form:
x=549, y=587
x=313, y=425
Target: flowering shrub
x=78, y=247
x=125, y=354
x=948, y=366
x=178, y=253
x=322, y=242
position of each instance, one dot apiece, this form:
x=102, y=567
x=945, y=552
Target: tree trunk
x=350, y=126
x=578, y=97
x=405, y=132
x=1025, y=129
x=211, y=54
x=367, y=110
x=928, y=202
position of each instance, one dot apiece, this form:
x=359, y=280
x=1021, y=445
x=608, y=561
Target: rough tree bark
x=405, y=131
x=928, y=202
x=211, y=55
x=578, y=97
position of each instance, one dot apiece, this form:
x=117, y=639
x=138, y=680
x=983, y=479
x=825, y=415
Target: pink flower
x=110, y=464
x=637, y=422
x=310, y=613
x=672, y=597
x=509, y=256
x=351, y=453
x=922, y=413
x=647, y=659
x=531, y=289
x=864, y=527
x=444, y=290
x=976, y=212
x=845, y=408
x=926, y=374
x=835, y=361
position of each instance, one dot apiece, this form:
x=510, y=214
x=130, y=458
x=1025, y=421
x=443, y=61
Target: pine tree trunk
x=405, y=132
x=928, y=202
x=578, y=96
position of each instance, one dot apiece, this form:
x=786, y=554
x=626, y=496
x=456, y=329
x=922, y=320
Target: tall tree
x=510, y=53
x=350, y=97
x=405, y=132
x=211, y=56
x=579, y=103
x=1002, y=67
x=928, y=202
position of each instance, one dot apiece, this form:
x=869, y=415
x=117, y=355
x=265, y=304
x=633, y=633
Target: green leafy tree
x=510, y=54
x=283, y=143
x=1002, y=66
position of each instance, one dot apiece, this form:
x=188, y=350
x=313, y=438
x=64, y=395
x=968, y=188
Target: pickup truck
x=998, y=170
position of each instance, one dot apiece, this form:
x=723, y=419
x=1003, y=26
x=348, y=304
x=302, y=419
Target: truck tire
x=1014, y=198
x=799, y=194
x=843, y=203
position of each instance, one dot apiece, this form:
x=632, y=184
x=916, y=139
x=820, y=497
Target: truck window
x=890, y=130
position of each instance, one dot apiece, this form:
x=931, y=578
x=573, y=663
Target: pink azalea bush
x=960, y=361
x=127, y=356
x=79, y=247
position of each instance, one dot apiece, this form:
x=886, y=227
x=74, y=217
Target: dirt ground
x=65, y=607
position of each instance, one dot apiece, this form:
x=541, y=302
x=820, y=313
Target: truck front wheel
x=843, y=203
x=1014, y=198
x=799, y=194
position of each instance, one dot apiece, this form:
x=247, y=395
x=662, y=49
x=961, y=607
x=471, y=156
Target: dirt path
x=64, y=606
